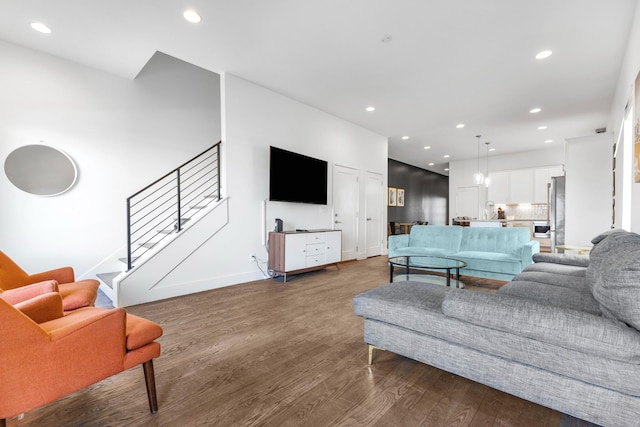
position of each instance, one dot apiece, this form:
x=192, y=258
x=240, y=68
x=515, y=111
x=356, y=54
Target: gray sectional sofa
x=564, y=333
x=493, y=253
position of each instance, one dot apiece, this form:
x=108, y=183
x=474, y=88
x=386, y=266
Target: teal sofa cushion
x=490, y=261
x=508, y=240
x=445, y=237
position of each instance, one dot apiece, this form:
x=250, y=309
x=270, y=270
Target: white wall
x=624, y=93
x=588, y=205
x=461, y=172
x=122, y=134
x=257, y=118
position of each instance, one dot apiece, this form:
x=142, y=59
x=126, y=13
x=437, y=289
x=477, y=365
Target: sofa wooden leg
x=3, y=422
x=150, y=381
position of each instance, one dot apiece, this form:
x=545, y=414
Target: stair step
x=107, y=278
x=166, y=231
x=199, y=207
x=148, y=245
x=124, y=260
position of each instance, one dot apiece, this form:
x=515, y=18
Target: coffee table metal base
x=422, y=263
x=429, y=278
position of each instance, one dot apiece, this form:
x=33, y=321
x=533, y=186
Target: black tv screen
x=296, y=178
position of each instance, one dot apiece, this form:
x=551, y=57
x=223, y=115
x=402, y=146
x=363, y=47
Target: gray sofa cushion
x=412, y=305
x=600, y=237
x=557, y=296
x=557, y=269
x=490, y=261
x=570, y=329
x=603, y=244
x=616, y=285
x=563, y=280
x=566, y=259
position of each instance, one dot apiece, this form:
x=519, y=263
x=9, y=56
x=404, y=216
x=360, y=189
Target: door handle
x=338, y=222
x=369, y=219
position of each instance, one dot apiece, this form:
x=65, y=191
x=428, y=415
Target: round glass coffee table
x=421, y=263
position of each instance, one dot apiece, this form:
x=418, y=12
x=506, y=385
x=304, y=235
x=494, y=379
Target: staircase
x=160, y=212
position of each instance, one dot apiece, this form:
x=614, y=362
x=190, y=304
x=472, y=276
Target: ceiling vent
x=601, y=130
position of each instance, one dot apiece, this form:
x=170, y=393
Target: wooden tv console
x=300, y=251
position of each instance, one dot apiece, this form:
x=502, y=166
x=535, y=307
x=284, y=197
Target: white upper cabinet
x=498, y=191
x=522, y=185
x=542, y=178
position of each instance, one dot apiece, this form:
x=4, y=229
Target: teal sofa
x=492, y=253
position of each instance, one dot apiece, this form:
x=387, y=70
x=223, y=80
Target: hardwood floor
x=272, y=354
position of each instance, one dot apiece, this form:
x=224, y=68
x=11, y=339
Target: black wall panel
x=426, y=194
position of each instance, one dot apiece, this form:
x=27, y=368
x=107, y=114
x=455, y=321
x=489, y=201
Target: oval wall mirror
x=41, y=170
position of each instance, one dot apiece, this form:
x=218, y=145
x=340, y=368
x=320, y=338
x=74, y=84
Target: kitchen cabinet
x=542, y=177
x=498, y=190
x=521, y=186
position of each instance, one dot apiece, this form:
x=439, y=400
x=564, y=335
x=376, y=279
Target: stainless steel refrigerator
x=556, y=211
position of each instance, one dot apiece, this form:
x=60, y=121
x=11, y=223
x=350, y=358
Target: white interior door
x=374, y=204
x=345, y=209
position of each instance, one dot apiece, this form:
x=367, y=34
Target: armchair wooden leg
x=150, y=381
x=3, y=422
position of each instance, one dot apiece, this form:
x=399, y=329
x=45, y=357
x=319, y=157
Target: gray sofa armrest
x=528, y=250
x=566, y=259
x=396, y=242
x=571, y=329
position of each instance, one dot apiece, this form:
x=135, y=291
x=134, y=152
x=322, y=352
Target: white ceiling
x=449, y=61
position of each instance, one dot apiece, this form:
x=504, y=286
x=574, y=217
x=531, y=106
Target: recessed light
x=426, y=147
x=431, y=164
x=492, y=149
x=535, y=110
x=548, y=141
x=446, y=169
x=446, y=156
x=192, y=16
x=459, y=125
x=40, y=27
x=370, y=109
x=542, y=127
x=543, y=54
x=405, y=137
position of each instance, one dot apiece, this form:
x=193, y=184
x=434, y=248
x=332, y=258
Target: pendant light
x=478, y=177
x=487, y=180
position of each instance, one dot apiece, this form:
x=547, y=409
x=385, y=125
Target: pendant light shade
x=487, y=180
x=478, y=177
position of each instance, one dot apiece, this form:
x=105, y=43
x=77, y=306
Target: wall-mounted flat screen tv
x=296, y=178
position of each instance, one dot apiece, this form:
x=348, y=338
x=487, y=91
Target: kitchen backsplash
x=537, y=211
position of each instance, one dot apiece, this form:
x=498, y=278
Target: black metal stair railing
x=164, y=206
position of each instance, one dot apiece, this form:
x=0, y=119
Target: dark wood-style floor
x=272, y=354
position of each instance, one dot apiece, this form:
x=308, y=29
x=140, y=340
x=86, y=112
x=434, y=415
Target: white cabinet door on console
x=295, y=255
x=334, y=246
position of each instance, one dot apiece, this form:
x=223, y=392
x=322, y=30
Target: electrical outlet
x=252, y=258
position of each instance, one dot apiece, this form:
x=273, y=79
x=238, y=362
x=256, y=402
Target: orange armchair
x=74, y=294
x=42, y=362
